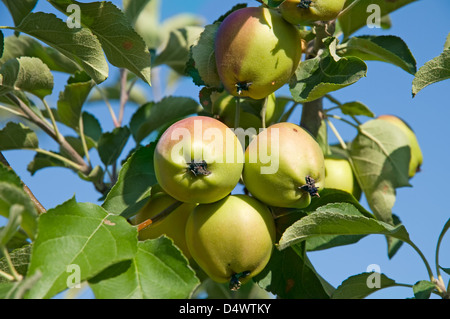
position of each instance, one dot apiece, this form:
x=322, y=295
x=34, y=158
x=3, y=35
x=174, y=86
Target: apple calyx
x=304, y=4
x=198, y=168
x=235, y=282
x=242, y=86
x=310, y=187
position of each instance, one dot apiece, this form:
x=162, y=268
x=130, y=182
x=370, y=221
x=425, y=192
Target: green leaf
x=41, y=161
x=123, y=47
x=18, y=46
x=435, y=70
x=388, y=48
x=133, y=8
x=356, y=108
x=323, y=74
x=337, y=219
x=71, y=101
x=12, y=195
x=20, y=259
x=134, y=183
x=8, y=175
x=92, y=127
x=380, y=156
x=438, y=246
x=447, y=42
x=17, y=136
x=363, y=12
x=290, y=275
x=157, y=271
x=14, y=221
x=394, y=244
x=111, y=144
x=176, y=52
x=77, y=234
x=79, y=45
x=152, y=116
x=19, y=9
x=422, y=289
x=362, y=285
x=27, y=74
x=203, y=55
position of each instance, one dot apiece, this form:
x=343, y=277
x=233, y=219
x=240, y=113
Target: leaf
x=133, y=8
x=136, y=178
x=157, y=271
x=123, y=47
x=394, y=244
x=390, y=49
x=356, y=108
x=27, y=74
x=41, y=161
x=176, y=52
x=362, y=285
x=80, y=234
x=380, y=157
x=17, y=136
x=422, y=289
x=447, y=42
x=79, y=45
x=290, y=276
x=204, y=57
x=19, y=9
x=92, y=127
x=20, y=258
x=2, y=44
x=71, y=101
x=337, y=219
x=23, y=45
x=14, y=221
x=8, y=175
x=13, y=195
x=152, y=116
x=318, y=76
x=363, y=11
x=111, y=144
x=435, y=70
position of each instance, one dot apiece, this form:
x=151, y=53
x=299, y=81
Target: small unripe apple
x=416, y=153
x=307, y=11
x=256, y=51
x=339, y=175
x=284, y=166
x=232, y=239
x=173, y=225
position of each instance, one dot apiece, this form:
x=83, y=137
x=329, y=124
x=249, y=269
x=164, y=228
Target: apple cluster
x=200, y=160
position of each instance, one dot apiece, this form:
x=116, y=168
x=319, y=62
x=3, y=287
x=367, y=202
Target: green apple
x=173, y=225
x=308, y=11
x=256, y=52
x=284, y=166
x=232, y=239
x=198, y=160
x=339, y=175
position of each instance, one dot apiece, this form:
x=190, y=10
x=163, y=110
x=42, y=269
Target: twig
x=83, y=167
x=124, y=94
x=36, y=202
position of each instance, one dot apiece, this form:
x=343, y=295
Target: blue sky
x=424, y=26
